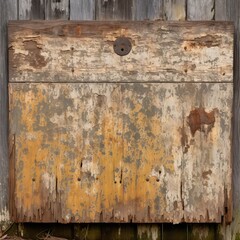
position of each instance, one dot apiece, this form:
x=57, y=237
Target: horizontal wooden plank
x=120, y=152
x=83, y=52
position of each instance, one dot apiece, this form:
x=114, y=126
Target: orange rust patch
x=198, y=118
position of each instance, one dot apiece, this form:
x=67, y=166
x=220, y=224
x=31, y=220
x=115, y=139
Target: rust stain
x=34, y=53
x=205, y=174
x=204, y=41
x=200, y=120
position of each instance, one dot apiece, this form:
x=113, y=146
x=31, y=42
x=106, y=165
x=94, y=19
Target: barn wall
x=126, y=10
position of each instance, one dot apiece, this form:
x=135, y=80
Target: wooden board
x=8, y=11
x=121, y=152
x=82, y=10
x=83, y=52
x=200, y=10
x=174, y=9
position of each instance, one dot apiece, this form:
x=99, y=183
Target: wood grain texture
x=64, y=51
x=114, y=10
x=200, y=10
x=222, y=10
x=80, y=156
x=234, y=12
x=82, y=10
x=56, y=9
x=174, y=9
x=147, y=10
x=149, y=232
x=8, y=10
x=233, y=231
x=31, y=9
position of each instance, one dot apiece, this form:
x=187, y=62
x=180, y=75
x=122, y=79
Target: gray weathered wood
x=200, y=9
x=147, y=10
x=25, y=9
x=233, y=231
x=31, y=9
x=8, y=10
x=91, y=56
x=82, y=10
x=56, y=9
x=174, y=9
x=114, y=10
x=204, y=10
x=221, y=10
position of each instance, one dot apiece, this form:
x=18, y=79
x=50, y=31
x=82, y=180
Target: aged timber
x=83, y=52
x=113, y=152
x=96, y=137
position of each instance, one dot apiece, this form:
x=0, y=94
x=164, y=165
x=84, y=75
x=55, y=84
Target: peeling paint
x=187, y=53
x=74, y=163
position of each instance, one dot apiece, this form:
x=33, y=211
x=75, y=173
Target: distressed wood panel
x=56, y=9
x=8, y=10
x=174, y=9
x=63, y=51
x=200, y=10
x=82, y=10
x=114, y=10
x=31, y=9
x=104, y=153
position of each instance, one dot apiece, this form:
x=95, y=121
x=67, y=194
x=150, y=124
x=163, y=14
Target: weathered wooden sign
x=120, y=121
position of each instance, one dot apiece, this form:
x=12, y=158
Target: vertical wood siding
x=8, y=11
x=82, y=10
x=174, y=10
x=129, y=9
